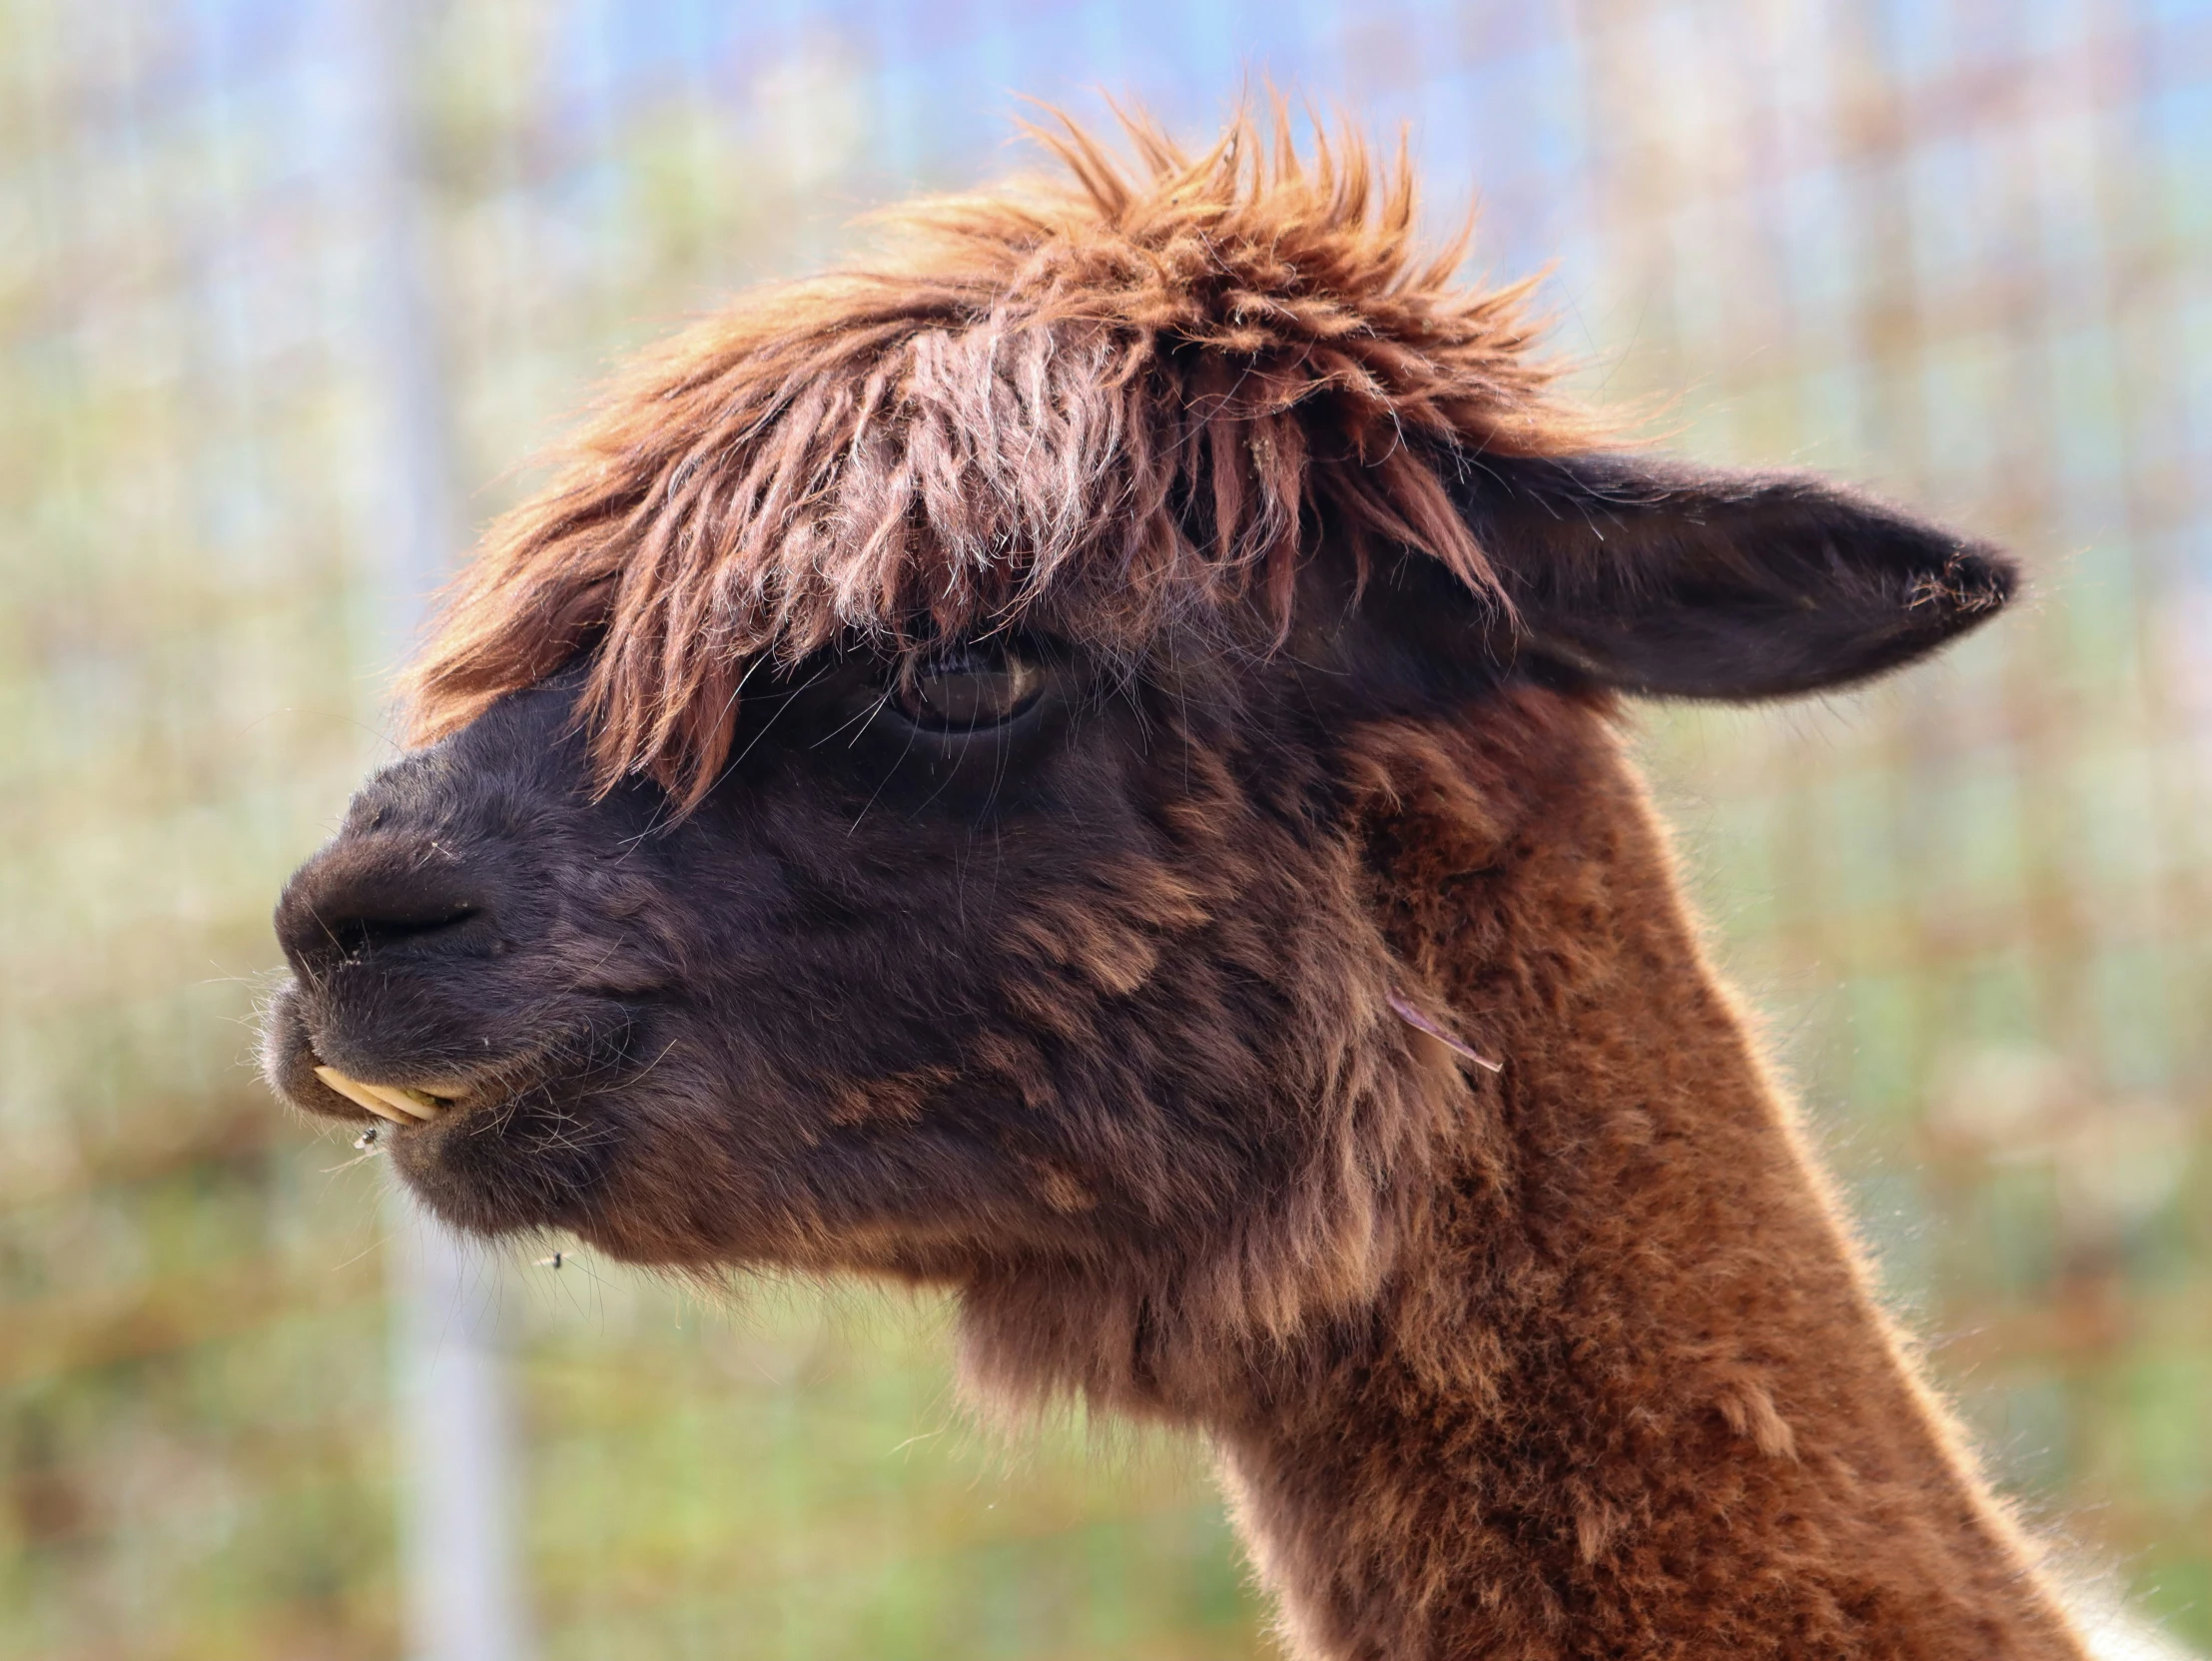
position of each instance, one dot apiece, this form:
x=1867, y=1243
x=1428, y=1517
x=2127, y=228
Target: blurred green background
x=1961, y=250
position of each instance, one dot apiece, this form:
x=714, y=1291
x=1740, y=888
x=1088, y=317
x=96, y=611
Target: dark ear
x=1656, y=577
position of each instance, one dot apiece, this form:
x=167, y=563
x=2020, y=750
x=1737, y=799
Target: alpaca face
x=992, y=953
x=1009, y=954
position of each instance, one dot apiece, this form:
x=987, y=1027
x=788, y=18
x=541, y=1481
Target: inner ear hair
x=1659, y=577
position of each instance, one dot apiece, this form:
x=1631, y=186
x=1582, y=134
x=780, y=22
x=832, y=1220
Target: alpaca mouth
x=401, y=1104
x=496, y=1124
x=300, y=1070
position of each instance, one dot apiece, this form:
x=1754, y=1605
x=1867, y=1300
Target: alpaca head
x=907, y=798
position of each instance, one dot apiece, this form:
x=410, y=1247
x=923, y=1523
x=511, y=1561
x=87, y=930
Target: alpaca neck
x=1627, y=1394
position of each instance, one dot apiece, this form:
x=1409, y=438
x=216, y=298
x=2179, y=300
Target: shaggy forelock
x=1096, y=405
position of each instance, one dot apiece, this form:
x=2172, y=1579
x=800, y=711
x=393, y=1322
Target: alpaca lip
x=401, y=1104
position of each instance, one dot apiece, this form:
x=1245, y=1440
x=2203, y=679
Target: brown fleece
x=1627, y=1393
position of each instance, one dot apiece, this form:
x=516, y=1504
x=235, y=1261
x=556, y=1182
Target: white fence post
x=458, y=1550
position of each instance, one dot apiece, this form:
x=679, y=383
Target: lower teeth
x=397, y=1102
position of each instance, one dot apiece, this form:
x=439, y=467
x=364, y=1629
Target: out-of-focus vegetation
x=1957, y=251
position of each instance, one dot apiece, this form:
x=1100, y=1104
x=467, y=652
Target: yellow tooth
x=357, y=1093
x=412, y=1102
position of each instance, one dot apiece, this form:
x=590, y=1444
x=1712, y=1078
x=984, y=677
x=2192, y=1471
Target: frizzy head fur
x=1093, y=404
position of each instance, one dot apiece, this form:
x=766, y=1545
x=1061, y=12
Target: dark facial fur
x=1089, y=996
x=1092, y=997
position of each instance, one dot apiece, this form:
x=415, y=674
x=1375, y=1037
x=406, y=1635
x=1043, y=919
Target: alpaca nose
x=359, y=898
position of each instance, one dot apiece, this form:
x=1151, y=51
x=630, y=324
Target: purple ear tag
x=1414, y=1018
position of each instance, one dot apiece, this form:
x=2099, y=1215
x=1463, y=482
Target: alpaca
x=1079, y=764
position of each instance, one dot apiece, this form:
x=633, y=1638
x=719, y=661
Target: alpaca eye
x=966, y=689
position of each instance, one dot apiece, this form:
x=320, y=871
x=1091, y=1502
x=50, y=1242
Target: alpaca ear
x=1677, y=581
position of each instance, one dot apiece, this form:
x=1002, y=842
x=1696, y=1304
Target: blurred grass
x=795, y=1471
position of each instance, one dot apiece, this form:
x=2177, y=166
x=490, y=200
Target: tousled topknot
x=1088, y=405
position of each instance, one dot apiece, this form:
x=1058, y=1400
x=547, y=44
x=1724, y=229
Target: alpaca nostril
x=356, y=937
x=354, y=900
